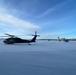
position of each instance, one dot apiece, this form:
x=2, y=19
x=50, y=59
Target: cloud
x=12, y=20
x=50, y=10
x=17, y=22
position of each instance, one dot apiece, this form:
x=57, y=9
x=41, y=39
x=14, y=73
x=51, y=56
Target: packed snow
x=40, y=58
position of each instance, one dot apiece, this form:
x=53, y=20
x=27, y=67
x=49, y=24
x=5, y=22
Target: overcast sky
x=50, y=18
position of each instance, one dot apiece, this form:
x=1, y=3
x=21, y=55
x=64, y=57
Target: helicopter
x=13, y=39
x=63, y=39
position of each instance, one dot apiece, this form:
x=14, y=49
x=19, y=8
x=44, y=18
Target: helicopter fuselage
x=13, y=39
x=16, y=40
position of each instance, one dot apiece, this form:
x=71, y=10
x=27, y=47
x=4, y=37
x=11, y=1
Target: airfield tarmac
x=40, y=58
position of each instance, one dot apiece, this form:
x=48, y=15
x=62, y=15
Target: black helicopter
x=13, y=39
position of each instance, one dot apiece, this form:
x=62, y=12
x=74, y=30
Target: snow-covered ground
x=40, y=58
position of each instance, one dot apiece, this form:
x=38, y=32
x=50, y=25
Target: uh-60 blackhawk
x=14, y=39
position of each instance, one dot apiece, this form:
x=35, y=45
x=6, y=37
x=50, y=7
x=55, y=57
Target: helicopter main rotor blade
x=14, y=35
x=8, y=34
x=34, y=35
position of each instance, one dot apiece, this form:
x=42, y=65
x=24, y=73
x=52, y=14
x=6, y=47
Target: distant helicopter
x=63, y=39
x=13, y=39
